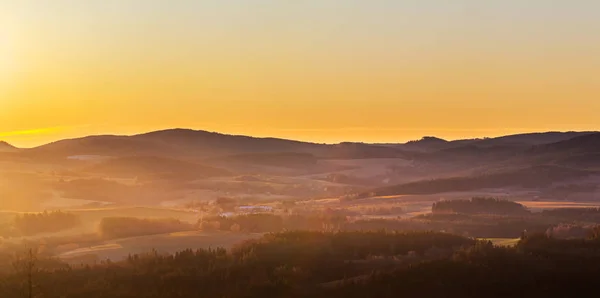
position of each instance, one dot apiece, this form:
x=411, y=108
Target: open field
x=503, y=241
x=543, y=205
x=164, y=243
x=90, y=219
x=143, y=212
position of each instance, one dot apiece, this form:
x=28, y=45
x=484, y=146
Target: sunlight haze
x=324, y=71
x=299, y=148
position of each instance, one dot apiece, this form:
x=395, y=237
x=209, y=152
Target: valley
x=195, y=177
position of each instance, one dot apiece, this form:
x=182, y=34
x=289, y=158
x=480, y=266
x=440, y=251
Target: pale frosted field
x=542, y=205
x=503, y=241
x=164, y=243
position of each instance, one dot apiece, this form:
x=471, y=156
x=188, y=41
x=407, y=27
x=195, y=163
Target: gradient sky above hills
x=321, y=70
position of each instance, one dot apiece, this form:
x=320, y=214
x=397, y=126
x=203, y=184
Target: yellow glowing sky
x=320, y=70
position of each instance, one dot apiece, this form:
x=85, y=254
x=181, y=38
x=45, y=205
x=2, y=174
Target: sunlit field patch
x=503, y=241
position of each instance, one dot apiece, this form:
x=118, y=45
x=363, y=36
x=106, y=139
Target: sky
x=316, y=70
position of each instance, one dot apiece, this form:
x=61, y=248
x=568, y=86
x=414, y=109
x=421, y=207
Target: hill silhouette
x=534, y=139
x=573, y=149
x=426, y=144
x=196, y=143
x=516, y=141
x=6, y=147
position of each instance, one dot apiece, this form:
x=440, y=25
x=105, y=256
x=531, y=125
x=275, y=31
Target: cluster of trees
x=266, y=222
x=258, y=189
x=120, y=227
x=569, y=231
x=481, y=226
x=476, y=218
x=480, y=206
x=29, y=224
x=383, y=211
x=342, y=264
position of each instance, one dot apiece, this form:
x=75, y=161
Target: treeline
x=346, y=264
x=480, y=226
x=569, y=231
x=480, y=206
x=278, y=265
x=484, y=226
x=479, y=217
x=29, y=224
x=574, y=214
x=265, y=222
x=485, y=218
x=120, y=227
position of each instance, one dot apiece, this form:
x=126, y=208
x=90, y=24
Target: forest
x=328, y=264
x=28, y=224
x=121, y=227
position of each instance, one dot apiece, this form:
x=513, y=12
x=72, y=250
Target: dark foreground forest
x=322, y=264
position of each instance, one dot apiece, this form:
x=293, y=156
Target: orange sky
x=324, y=71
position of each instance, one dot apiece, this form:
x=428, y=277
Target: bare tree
x=25, y=264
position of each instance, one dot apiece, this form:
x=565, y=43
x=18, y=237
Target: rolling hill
x=534, y=139
x=527, y=177
x=184, y=143
x=514, y=142
x=588, y=143
x=181, y=164
x=283, y=159
x=152, y=166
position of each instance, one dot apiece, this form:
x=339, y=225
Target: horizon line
x=303, y=140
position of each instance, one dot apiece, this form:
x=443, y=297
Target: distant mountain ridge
x=525, y=140
x=534, y=139
x=204, y=144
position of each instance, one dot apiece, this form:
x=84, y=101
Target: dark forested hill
x=528, y=177
x=192, y=143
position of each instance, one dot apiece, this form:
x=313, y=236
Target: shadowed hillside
x=517, y=141
x=151, y=166
x=364, y=151
x=588, y=143
x=532, y=139
x=531, y=177
x=191, y=143
x=580, y=152
x=99, y=145
x=284, y=159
